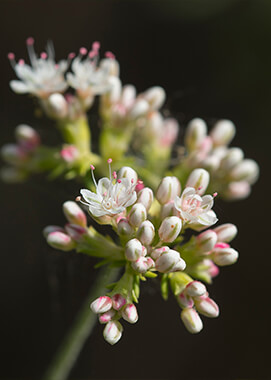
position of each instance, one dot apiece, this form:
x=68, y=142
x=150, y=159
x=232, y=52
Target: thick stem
x=72, y=345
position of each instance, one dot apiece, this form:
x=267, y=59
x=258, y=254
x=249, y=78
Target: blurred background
x=214, y=60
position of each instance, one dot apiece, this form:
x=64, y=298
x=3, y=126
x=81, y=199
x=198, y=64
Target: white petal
x=90, y=197
x=19, y=87
x=208, y=218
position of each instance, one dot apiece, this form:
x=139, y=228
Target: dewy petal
x=91, y=197
x=19, y=87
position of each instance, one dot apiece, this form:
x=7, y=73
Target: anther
x=11, y=56
x=43, y=55
x=21, y=62
x=96, y=45
x=109, y=161
x=215, y=194
x=92, y=167
x=71, y=55
x=78, y=199
x=30, y=41
x=114, y=175
x=92, y=54
x=110, y=55
x=83, y=51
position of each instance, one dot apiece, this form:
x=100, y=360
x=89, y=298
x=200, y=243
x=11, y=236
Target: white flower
x=43, y=77
x=195, y=209
x=112, y=196
x=89, y=78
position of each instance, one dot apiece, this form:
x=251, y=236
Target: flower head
x=43, y=77
x=112, y=196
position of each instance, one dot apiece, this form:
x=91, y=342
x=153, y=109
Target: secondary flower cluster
x=151, y=230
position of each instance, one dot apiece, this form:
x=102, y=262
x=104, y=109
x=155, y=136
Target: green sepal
x=178, y=282
x=142, y=278
x=164, y=286
x=150, y=274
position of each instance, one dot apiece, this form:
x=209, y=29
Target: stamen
x=96, y=46
x=109, y=163
x=83, y=51
x=109, y=160
x=43, y=55
x=21, y=62
x=114, y=175
x=92, y=174
x=215, y=194
x=30, y=41
x=110, y=55
x=11, y=57
x=31, y=52
x=78, y=199
x=71, y=55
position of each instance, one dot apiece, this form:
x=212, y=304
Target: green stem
x=72, y=345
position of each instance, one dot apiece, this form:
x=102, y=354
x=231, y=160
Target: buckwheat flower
x=129, y=313
x=191, y=320
x=101, y=305
x=196, y=209
x=43, y=77
x=112, y=196
x=113, y=332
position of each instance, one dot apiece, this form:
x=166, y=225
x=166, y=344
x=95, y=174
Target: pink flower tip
x=96, y=45
x=11, y=56
x=92, y=167
x=21, y=62
x=30, y=41
x=43, y=55
x=83, y=51
x=110, y=55
x=109, y=160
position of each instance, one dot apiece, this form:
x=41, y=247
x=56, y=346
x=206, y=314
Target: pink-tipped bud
x=206, y=241
x=143, y=264
x=184, y=300
x=206, y=306
x=129, y=173
x=137, y=215
x=191, y=320
x=224, y=256
x=199, y=179
x=118, y=301
x=101, y=305
x=195, y=133
x=124, y=227
x=47, y=230
x=60, y=240
x=168, y=189
x=155, y=96
x=107, y=316
x=27, y=137
x=226, y=232
x=170, y=229
x=30, y=41
x=129, y=313
x=112, y=332
x=146, y=232
x=195, y=289
x=159, y=251
x=69, y=153
x=74, y=213
x=58, y=105
x=223, y=132
x=75, y=231
x=11, y=56
x=237, y=190
x=170, y=261
x=140, y=108
x=145, y=197
x=134, y=250
x=247, y=170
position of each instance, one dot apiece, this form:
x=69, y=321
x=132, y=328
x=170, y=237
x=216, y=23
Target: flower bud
x=195, y=133
x=170, y=229
x=146, y=232
x=145, y=197
x=27, y=137
x=169, y=261
x=58, y=105
x=232, y=158
x=107, y=316
x=224, y=256
x=124, y=227
x=168, y=189
x=155, y=96
x=60, y=240
x=129, y=173
x=247, y=170
x=206, y=306
x=137, y=214
x=101, y=305
x=184, y=300
x=128, y=95
x=140, y=108
x=159, y=251
x=143, y=264
x=75, y=231
x=170, y=132
x=112, y=332
x=223, y=132
x=47, y=230
x=195, y=289
x=199, y=179
x=129, y=313
x=206, y=241
x=69, y=153
x=226, y=232
x=118, y=301
x=74, y=213
x=237, y=190
x=191, y=320
x=134, y=250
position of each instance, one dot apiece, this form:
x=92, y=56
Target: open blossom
x=195, y=209
x=112, y=196
x=89, y=78
x=43, y=77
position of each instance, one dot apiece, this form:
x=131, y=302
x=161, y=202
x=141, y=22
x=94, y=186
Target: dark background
x=214, y=60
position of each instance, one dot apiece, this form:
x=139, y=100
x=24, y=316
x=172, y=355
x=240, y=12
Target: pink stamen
x=215, y=194
x=43, y=55
x=110, y=55
x=114, y=175
x=71, y=55
x=119, y=180
x=92, y=54
x=78, y=199
x=92, y=167
x=11, y=56
x=30, y=41
x=96, y=45
x=109, y=161
x=83, y=51
x=21, y=62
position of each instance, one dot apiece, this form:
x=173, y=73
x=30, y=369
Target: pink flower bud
x=129, y=173
x=226, y=232
x=247, y=170
x=199, y=179
x=60, y=240
x=124, y=227
x=118, y=301
x=223, y=132
x=27, y=137
x=145, y=197
x=76, y=232
x=137, y=214
x=112, y=332
x=195, y=289
x=169, y=261
x=206, y=306
x=101, y=305
x=155, y=96
x=206, y=241
x=224, y=256
x=47, y=230
x=237, y=190
x=146, y=232
x=107, y=316
x=168, y=189
x=159, y=251
x=184, y=300
x=69, y=153
x=142, y=265
x=129, y=313
x=74, y=213
x=58, y=105
x=210, y=267
x=170, y=229
x=134, y=250
x=195, y=133
x=191, y=320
